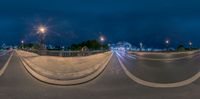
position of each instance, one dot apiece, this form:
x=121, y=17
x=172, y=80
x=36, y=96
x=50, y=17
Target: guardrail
x=64, y=53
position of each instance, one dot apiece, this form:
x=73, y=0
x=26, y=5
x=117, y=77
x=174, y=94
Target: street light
x=102, y=39
x=41, y=30
x=167, y=44
x=167, y=41
x=141, y=45
x=22, y=44
x=190, y=44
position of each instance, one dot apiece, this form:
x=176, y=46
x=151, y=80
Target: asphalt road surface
x=162, y=71
x=17, y=83
x=4, y=56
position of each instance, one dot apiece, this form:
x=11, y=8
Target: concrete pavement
x=62, y=70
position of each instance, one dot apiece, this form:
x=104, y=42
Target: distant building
x=4, y=46
x=122, y=45
x=85, y=48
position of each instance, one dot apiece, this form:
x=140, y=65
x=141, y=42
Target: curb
x=66, y=82
x=158, y=85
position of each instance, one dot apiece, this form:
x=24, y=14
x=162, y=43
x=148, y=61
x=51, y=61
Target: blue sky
x=147, y=21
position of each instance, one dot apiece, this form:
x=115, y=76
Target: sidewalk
x=64, y=68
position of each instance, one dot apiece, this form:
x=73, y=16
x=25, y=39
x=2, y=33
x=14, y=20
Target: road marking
x=4, y=53
x=6, y=65
x=128, y=55
x=131, y=56
x=157, y=85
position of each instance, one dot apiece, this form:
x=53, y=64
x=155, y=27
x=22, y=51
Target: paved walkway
x=64, y=68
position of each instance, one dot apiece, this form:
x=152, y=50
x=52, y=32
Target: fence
x=65, y=53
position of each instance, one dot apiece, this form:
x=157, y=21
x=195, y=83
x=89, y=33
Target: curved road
x=162, y=71
x=16, y=83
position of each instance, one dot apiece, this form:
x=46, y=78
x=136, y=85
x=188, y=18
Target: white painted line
x=157, y=85
x=6, y=65
x=131, y=56
x=4, y=53
x=128, y=55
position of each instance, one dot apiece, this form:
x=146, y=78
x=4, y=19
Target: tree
x=180, y=48
x=90, y=44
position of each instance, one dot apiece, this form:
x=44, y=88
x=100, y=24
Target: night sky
x=147, y=21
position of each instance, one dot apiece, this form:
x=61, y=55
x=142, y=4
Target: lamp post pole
x=22, y=44
x=42, y=30
x=190, y=44
x=102, y=39
x=141, y=46
x=167, y=44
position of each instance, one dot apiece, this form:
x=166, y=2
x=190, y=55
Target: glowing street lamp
x=167, y=44
x=42, y=30
x=167, y=41
x=102, y=39
x=22, y=44
x=190, y=44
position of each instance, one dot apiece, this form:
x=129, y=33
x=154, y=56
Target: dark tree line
x=30, y=45
x=181, y=47
x=90, y=44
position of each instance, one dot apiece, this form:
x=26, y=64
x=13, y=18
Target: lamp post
x=167, y=44
x=190, y=44
x=42, y=30
x=102, y=39
x=42, y=33
x=141, y=46
x=22, y=44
